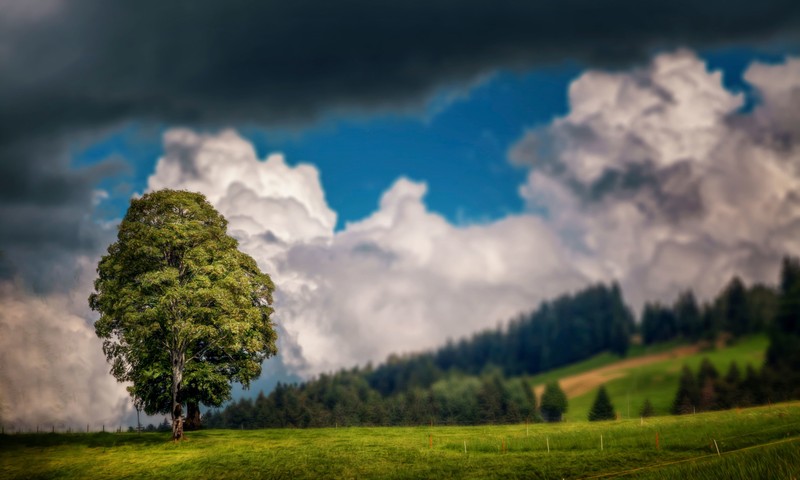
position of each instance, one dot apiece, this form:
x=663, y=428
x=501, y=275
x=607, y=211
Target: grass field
x=760, y=442
x=658, y=381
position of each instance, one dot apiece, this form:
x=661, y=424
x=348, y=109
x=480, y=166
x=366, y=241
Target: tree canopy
x=183, y=312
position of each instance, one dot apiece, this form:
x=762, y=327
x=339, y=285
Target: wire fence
x=693, y=437
x=60, y=428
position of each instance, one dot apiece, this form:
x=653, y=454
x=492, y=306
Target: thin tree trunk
x=177, y=411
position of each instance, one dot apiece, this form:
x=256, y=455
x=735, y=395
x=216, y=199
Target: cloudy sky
x=407, y=172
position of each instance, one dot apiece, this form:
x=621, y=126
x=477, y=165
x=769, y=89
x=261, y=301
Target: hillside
x=491, y=377
x=645, y=373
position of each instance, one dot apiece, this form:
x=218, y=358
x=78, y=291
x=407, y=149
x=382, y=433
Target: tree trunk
x=192, y=416
x=177, y=378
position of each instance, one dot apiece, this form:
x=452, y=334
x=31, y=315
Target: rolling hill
x=645, y=373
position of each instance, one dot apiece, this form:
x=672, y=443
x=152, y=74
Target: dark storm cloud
x=86, y=62
x=70, y=67
x=45, y=208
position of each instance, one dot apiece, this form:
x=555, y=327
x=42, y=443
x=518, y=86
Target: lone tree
x=647, y=409
x=602, y=408
x=183, y=313
x=554, y=402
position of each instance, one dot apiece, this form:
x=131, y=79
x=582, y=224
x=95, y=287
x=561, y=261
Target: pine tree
x=708, y=396
x=687, y=315
x=729, y=389
x=707, y=371
x=734, y=307
x=602, y=408
x=688, y=393
x=554, y=402
x=647, y=409
x=707, y=379
x=783, y=354
x=752, y=387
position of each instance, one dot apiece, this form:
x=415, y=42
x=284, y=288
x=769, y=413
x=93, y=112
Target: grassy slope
x=657, y=381
x=755, y=443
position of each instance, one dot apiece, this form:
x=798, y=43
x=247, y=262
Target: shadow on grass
x=85, y=439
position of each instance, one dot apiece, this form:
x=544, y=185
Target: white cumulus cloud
x=661, y=177
x=402, y=279
x=52, y=369
x=657, y=178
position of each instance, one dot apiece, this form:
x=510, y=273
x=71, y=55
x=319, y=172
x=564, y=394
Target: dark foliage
x=647, y=409
x=565, y=330
x=554, y=403
x=783, y=355
x=602, y=409
x=688, y=393
x=737, y=311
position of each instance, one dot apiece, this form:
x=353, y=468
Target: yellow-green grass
x=657, y=381
x=761, y=442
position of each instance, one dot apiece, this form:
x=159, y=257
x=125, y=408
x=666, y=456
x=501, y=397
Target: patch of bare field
x=576, y=385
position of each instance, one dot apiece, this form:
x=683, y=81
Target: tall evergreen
x=658, y=323
x=687, y=315
x=688, y=395
x=762, y=305
x=707, y=371
x=783, y=354
x=734, y=308
x=729, y=388
x=752, y=390
x=647, y=409
x=602, y=409
x=554, y=403
x=530, y=398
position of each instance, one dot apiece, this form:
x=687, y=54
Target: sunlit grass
x=425, y=452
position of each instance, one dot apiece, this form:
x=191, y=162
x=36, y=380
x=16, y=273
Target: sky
x=406, y=172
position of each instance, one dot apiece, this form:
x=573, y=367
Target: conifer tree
x=729, y=389
x=554, y=402
x=783, y=354
x=688, y=394
x=602, y=409
x=647, y=409
x=752, y=390
x=707, y=371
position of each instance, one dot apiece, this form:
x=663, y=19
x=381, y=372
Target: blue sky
x=457, y=145
x=456, y=142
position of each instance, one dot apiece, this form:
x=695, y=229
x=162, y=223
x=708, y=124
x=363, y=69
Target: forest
x=483, y=379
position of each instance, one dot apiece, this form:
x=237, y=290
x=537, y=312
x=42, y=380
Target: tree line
x=483, y=379
x=570, y=328
x=736, y=311
x=464, y=382
x=777, y=380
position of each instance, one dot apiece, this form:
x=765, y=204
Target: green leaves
x=175, y=284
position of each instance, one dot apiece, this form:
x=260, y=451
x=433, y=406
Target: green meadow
x=762, y=442
x=658, y=381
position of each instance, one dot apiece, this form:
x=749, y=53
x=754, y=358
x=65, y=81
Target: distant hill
x=582, y=339
x=646, y=373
